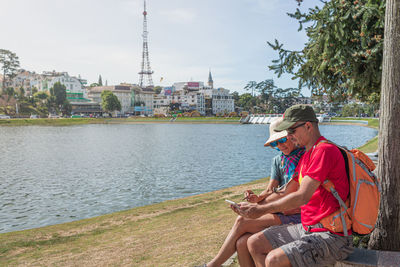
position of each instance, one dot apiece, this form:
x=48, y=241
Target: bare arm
x=287, y=202
x=253, y=198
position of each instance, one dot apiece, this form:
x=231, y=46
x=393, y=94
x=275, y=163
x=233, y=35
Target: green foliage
x=67, y=107
x=343, y=55
x=9, y=91
x=247, y=101
x=10, y=64
x=358, y=110
x=269, y=98
x=235, y=96
x=110, y=101
x=40, y=95
x=57, y=101
x=157, y=89
x=59, y=92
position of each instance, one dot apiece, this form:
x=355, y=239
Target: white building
x=24, y=79
x=144, y=101
x=221, y=100
x=161, y=104
x=47, y=79
x=122, y=92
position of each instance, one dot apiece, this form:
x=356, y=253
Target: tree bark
x=386, y=236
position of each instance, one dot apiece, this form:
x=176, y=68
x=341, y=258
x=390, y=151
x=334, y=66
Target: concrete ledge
x=366, y=257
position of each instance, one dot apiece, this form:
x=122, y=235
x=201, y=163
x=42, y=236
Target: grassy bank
x=79, y=121
x=181, y=232
x=372, y=144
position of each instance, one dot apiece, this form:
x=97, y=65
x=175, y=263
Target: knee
x=274, y=258
x=241, y=243
x=254, y=243
x=240, y=222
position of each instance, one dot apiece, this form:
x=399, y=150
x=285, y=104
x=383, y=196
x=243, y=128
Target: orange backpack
x=363, y=199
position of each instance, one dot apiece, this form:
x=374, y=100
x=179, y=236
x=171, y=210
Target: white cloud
x=179, y=15
x=186, y=38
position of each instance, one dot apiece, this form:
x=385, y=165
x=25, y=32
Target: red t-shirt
x=320, y=163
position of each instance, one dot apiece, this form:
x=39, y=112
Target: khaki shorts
x=309, y=249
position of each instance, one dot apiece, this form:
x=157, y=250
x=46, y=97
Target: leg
x=259, y=247
x=277, y=257
x=244, y=256
x=242, y=225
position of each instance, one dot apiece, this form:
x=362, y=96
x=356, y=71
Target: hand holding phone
x=232, y=203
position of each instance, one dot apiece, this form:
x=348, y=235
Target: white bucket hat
x=274, y=135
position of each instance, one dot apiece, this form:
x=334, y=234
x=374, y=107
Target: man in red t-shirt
x=308, y=243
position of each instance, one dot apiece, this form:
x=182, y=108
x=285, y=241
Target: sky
x=186, y=39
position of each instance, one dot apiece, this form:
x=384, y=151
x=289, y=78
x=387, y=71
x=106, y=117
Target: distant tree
x=284, y=98
x=67, y=108
x=34, y=90
x=251, y=86
x=157, y=89
x=59, y=91
x=352, y=110
x=100, y=82
x=266, y=90
x=93, y=85
x=21, y=93
x=270, y=98
x=9, y=91
x=110, y=101
x=174, y=106
x=235, y=96
x=247, y=102
x=40, y=96
x=7, y=104
x=10, y=64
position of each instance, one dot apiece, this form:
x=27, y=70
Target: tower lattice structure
x=145, y=79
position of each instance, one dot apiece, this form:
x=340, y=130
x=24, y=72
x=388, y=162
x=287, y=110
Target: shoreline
x=140, y=120
x=197, y=224
x=84, y=121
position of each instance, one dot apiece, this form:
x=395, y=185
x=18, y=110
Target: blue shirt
x=277, y=171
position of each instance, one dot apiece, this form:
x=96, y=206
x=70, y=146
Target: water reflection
x=52, y=175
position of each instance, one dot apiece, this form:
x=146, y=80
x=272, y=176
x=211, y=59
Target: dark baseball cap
x=294, y=114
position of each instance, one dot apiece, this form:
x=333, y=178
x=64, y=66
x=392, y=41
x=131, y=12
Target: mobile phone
x=232, y=203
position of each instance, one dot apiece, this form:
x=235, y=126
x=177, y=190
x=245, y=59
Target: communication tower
x=145, y=79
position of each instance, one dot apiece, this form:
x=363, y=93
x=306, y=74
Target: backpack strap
x=330, y=187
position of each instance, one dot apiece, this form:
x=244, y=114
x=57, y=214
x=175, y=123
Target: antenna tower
x=146, y=72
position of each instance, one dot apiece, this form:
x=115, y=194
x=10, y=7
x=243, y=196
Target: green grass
x=372, y=144
x=79, y=121
x=181, y=232
x=374, y=123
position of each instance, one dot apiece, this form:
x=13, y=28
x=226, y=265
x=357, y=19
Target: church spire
x=210, y=80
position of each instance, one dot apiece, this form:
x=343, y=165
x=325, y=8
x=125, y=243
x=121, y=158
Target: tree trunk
x=386, y=236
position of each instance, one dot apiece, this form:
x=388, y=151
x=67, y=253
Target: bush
x=244, y=114
x=159, y=116
x=195, y=113
x=233, y=114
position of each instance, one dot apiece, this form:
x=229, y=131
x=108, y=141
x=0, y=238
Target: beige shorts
x=309, y=249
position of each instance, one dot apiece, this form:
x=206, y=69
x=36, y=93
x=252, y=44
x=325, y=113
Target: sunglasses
x=280, y=141
x=293, y=129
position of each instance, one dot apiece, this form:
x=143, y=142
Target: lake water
x=51, y=175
